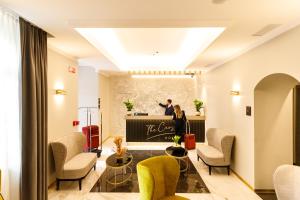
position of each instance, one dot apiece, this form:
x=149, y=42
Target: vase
x=177, y=145
x=119, y=159
x=202, y=113
x=129, y=112
x=198, y=113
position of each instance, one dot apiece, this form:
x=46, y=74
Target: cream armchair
x=217, y=153
x=286, y=182
x=71, y=163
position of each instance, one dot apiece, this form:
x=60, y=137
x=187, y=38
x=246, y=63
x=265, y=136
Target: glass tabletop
x=116, y=161
x=176, y=151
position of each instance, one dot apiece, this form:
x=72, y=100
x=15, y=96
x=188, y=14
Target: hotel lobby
x=150, y=100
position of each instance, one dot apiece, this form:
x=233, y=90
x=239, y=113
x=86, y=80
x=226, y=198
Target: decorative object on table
x=120, y=151
x=129, y=105
x=199, y=107
x=176, y=139
x=189, y=138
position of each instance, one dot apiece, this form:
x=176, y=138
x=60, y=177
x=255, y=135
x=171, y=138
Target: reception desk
x=156, y=128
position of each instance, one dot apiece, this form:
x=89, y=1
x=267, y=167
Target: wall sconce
x=235, y=92
x=60, y=92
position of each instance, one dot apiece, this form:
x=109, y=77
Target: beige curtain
x=34, y=112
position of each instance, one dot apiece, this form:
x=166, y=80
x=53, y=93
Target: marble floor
x=221, y=186
x=189, y=181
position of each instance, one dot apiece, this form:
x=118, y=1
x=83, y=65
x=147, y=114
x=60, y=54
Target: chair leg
x=228, y=170
x=57, y=184
x=79, y=184
x=209, y=169
x=95, y=167
x=198, y=157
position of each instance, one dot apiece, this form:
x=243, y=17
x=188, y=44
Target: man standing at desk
x=169, y=107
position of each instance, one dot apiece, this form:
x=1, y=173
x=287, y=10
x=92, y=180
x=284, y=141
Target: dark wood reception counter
x=156, y=128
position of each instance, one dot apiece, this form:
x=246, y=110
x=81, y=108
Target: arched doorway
x=273, y=126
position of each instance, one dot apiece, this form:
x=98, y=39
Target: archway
x=273, y=126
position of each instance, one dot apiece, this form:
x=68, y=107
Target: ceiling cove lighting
x=162, y=76
x=182, y=72
x=129, y=48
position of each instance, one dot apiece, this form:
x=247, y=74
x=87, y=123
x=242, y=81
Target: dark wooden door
x=297, y=125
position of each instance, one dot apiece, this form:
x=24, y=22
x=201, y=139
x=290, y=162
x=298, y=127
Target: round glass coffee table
x=118, y=169
x=181, y=155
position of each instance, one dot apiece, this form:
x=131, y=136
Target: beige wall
x=104, y=94
x=144, y=93
x=273, y=126
x=281, y=55
x=62, y=110
x=88, y=89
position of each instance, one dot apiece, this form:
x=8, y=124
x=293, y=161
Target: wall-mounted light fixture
x=60, y=92
x=235, y=92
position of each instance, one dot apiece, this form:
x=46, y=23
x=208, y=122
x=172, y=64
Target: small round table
x=118, y=166
x=180, y=154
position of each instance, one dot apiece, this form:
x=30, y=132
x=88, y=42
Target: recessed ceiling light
x=116, y=44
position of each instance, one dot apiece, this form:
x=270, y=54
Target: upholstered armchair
x=217, y=151
x=158, y=177
x=71, y=163
x=286, y=182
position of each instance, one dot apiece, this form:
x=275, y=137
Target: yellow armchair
x=158, y=177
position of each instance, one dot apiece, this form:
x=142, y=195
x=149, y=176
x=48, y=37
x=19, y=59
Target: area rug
x=189, y=182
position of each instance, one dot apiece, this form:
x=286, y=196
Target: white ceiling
x=151, y=48
x=240, y=17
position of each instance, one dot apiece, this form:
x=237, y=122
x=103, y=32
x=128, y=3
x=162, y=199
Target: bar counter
x=159, y=128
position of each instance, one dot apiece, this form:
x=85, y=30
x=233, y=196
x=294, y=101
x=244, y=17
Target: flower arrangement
x=176, y=139
x=128, y=104
x=198, y=104
x=119, y=150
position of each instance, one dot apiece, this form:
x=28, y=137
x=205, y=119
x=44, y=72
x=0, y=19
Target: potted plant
x=129, y=106
x=199, y=106
x=176, y=139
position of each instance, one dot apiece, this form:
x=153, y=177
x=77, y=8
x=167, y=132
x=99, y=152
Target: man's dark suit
x=169, y=110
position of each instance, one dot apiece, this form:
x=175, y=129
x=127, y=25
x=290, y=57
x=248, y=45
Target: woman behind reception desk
x=180, y=122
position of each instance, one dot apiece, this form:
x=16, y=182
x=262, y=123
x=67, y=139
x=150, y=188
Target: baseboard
x=52, y=184
x=264, y=191
x=105, y=139
x=243, y=180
